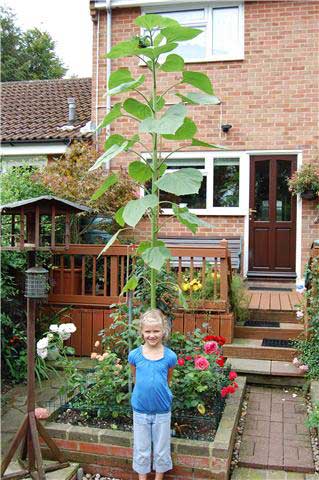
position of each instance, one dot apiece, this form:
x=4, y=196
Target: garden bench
x=234, y=247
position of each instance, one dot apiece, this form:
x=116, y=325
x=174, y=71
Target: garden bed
x=109, y=451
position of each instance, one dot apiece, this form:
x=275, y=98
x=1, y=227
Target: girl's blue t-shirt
x=151, y=392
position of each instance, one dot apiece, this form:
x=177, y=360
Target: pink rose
x=41, y=413
x=181, y=362
x=211, y=347
x=296, y=362
x=93, y=355
x=304, y=368
x=201, y=363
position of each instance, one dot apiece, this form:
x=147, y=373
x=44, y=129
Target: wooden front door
x=272, y=220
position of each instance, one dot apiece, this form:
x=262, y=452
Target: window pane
x=193, y=201
x=226, y=182
x=225, y=30
x=262, y=190
x=186, y=16
x=283, y=201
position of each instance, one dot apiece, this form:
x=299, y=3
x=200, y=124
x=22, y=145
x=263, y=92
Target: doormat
x=272, y=342
x=271, y=289
x=254, y=323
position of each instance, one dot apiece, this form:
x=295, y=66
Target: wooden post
x=37, y=227
x=53, y=226
x=224, y=273
x=13, y=219
x=67, y=230
x=21, y=228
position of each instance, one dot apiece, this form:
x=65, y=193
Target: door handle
x=251, y=211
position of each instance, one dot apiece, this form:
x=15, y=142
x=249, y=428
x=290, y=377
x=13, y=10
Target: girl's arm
x=133, y=371
x=169, y=375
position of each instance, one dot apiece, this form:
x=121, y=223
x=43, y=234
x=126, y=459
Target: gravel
x=313, y=437
x=240, y=431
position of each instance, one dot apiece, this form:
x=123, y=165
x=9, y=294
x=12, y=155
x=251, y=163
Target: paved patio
x=275, y=436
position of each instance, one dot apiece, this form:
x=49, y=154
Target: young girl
x=152, y=367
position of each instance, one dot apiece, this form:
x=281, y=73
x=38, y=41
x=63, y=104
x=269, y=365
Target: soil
x=188, y=427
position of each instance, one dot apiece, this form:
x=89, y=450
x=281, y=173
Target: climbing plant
x=160, y=36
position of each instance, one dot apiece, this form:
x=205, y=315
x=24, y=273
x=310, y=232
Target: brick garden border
x=110, y=451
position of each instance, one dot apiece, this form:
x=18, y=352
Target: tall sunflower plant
x=162, y=124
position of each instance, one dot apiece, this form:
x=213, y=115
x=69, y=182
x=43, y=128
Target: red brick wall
x=271, y=97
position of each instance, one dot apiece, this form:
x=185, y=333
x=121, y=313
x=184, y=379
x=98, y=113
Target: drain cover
x=272, y=342
x=254, y=323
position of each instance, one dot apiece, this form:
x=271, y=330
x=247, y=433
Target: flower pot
x=309, y=195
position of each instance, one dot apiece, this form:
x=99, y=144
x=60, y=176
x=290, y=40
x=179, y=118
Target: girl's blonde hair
x=154, y=316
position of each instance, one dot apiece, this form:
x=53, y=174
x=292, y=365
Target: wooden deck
x=274, y=301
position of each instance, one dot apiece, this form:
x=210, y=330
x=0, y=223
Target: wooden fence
x=90, y=284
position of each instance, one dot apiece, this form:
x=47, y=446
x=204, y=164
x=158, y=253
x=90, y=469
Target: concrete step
x=285, y=331
x=68, y=473
x=251, y=348
x=282, y=316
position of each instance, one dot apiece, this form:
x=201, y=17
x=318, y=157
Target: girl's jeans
x=148, y=429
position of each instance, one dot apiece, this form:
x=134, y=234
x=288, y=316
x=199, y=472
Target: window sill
x=217, y=212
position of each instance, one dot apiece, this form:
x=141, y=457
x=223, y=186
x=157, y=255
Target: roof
x=44, y=201
x=34, y=110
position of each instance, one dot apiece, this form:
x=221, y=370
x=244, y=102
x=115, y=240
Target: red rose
x=221, y=340
x=231, y=389
x=209, y=338
x=220, y=361
x=181, y=362
x=232, y=375
x=188, y=357
x=224, y=392
x=235, y=385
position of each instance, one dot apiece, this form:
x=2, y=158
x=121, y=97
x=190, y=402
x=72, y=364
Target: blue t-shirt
x=151, y=392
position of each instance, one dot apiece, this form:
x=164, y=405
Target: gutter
x=144, y=3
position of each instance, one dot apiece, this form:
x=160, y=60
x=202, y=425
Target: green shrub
x=239, y=299
x=313, y=418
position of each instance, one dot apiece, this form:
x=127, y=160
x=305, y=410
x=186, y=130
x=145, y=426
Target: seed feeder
x=25, y=232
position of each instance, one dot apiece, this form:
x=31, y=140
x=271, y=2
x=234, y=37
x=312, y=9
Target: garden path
x=275, y=436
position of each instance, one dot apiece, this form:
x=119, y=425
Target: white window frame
x=208, y=171
x=208, y=10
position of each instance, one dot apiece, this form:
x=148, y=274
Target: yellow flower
x=197, y=287
x=185, y=287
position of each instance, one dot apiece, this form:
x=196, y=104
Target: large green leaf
x=135, y=209
x=173, y=63
x=111, y=241
x=118, y=77
x=137, y=109
x=185, y=181
x=118, y=217
x=190, y=220
x=115, y=139
x=198, y=80
x=112, y=152
x=152, y=21
x=199, y=98
x=159, y=104
x=169, y=123
x=131, y=142
x=154, y=52
x=155, y=257
x=127, y=86
x=128, y=48
x=185, y=132
x=178, y=33
x=131, y=284
x=111, y=180
x=111, y=116
x=140, y=171
x=200, y=143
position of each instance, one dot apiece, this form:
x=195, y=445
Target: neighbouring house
x=41, y=117
x=262, y=58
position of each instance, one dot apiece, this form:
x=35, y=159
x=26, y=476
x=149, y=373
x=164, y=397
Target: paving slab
x=242, y=473
x=261, y=367
x=63, y=474
x=275, y=436
x=284, y=368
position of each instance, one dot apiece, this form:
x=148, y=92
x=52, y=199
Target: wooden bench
x=234, y=246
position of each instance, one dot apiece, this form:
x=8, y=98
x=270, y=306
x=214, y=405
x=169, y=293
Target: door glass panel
x=262, y=190
x=283, y=196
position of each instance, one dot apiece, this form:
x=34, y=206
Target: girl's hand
x=170, y=375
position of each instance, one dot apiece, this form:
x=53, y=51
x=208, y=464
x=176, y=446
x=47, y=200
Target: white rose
x=70, y=327
x=42, y=352
x=54, y=328
x=43, y=343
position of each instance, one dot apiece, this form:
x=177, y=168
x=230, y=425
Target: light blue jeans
x=151, y=429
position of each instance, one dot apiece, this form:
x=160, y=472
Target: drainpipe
x=108, y=60
x=97, y=75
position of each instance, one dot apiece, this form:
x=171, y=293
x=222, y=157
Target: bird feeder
x=37, y=285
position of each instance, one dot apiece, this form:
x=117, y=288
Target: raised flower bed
x=108, y=451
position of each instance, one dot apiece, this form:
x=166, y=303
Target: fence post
x=224, y=272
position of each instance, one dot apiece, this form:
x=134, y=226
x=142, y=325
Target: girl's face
x=153, y=334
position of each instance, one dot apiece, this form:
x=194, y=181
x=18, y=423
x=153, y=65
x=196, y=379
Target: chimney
x=72, y=114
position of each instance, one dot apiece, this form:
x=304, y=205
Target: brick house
x=262, y=58
x=40, y=118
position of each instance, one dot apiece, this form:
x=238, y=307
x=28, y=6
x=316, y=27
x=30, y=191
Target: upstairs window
x=222, y=26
